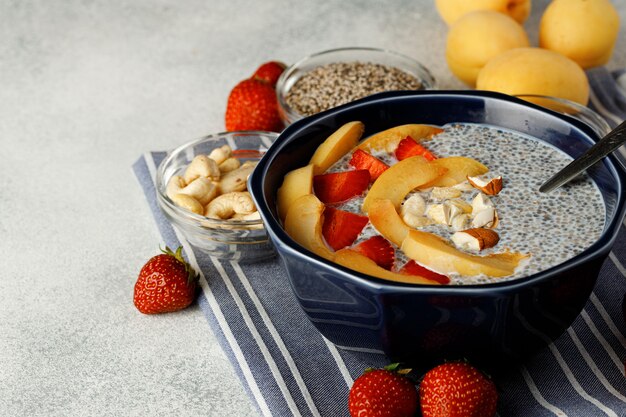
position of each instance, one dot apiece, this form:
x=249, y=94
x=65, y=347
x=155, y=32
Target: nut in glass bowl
x=330, y=78
x=202, y=190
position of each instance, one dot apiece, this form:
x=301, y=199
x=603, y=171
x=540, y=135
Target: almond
x=475, y=239
x=491, y=187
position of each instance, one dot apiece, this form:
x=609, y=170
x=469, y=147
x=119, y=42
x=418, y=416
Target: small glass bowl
x=243, y=240
x=570, y=108
x=353, y=54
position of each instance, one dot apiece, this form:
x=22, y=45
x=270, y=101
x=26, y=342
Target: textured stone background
x=86, y=87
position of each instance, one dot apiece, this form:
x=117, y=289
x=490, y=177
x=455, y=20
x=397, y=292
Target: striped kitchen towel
x=289, y=369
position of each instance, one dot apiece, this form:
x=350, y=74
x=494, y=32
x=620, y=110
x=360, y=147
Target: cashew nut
x=221, y=154
x=412, y=212
x=202, y=189
x=439, y=213
x=416, y=221
x=247, y=217
x=226, y=205
x=229, y=164
x=236, y=180
x=188, y=202
x=444, y=193
x=460, y=222
x=202, y=166
x=174, y=186
x=464, y=206
x=414, y=205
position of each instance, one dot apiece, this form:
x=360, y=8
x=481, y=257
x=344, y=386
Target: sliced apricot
x=388, y=140
x=458, y=169
x=303, y=224
x=296, y=183
x=342, y=141
x=400, y=179
x=438, y=254
x=387, y=221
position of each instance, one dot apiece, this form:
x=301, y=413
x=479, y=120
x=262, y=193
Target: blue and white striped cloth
x=608, y=94
x=289, y=369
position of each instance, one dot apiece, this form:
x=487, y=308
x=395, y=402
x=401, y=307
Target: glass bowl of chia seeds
x=331, y=78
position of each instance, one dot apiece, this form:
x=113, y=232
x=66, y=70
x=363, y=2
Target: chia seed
x=331, y=85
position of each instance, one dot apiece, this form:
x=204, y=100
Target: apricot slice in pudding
x=388, y=140
x=361, y=263
x=303, y=224
x=387, y=221
x=458, y=169
x=435, y=252
x=342, y=141
x=400, y=179
x=296, y=183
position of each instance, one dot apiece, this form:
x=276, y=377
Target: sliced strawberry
x=341, y=228
x=363, y=160
x=379, y=250
x=408, y=148
x=340, y=186
x=413, y=268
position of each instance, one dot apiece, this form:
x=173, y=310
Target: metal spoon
x=613, y=140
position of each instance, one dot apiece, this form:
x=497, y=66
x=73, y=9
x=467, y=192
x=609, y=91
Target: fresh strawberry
x=341, y=228
x=165, y=283
x=413, y=268
x=269, y=72
x=383, y=393
x=379, y=250
x=457, y=389
x=337, y=187
x=252, y=105
x=363, y=160
x=408, y=148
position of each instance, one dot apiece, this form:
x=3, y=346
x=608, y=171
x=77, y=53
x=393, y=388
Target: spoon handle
x=602, y=148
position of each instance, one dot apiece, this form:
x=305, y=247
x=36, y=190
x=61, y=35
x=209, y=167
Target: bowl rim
x=277, y=233
x=425, y=76
x=600, y=122
x=187, y=217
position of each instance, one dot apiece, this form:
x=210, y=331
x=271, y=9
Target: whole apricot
x=479, y=36
x=451, y=10
x=535, y=71
x=583, y=30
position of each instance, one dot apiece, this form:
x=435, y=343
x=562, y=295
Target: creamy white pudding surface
x=552, y=227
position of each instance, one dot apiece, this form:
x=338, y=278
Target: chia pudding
x=338, y=83
x=551, y=227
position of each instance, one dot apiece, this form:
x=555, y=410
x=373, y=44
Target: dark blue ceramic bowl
x=485, y=323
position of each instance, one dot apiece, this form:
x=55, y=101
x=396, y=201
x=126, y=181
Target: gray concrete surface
x=86, y=86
